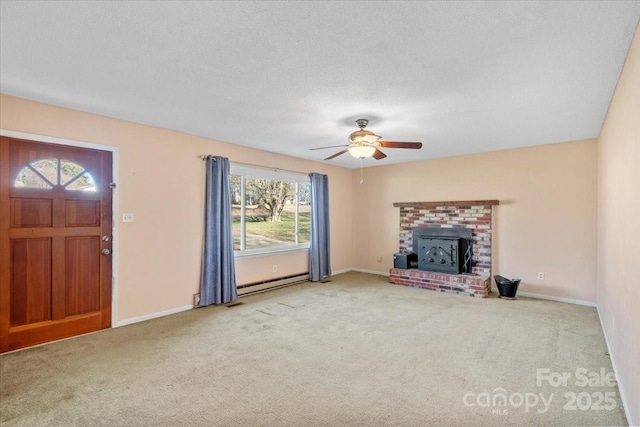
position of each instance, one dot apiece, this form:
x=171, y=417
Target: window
x=49, y=173
x=271, y=210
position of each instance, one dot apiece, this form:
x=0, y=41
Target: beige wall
x=546, y=220
x=619, y=229
x=161, y=182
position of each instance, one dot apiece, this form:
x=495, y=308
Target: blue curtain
x=218, y=284
x=319, y=248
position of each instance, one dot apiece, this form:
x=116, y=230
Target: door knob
x=106, y=251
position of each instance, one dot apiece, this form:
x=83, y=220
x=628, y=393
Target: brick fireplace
x=475, y=215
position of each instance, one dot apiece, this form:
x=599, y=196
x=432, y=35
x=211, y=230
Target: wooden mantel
x=449, y=203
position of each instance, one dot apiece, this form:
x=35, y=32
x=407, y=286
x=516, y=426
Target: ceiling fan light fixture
x=362, y=151
x=364, y=144
x=365, y=136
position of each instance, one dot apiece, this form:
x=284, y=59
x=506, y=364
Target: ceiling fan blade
x=378, y=155
x=337, y=154
x=331, y=146
x=396, y=144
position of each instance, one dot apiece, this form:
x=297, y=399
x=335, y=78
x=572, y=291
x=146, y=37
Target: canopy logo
x=572, y=400
x=499, y=401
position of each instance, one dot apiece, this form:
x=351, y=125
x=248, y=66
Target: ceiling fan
x=364, y=143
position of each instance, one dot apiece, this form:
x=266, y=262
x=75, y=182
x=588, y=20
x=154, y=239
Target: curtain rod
x=205, y=156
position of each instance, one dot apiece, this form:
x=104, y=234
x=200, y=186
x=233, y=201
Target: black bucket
x=507, y=287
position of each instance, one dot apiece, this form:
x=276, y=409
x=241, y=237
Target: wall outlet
x=275, y=268
x=540, y=275
x=127, y=217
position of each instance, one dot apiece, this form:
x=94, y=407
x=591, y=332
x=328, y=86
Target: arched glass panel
x=49, y=173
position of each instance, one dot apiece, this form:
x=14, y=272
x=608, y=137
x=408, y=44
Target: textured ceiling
x=461, y=77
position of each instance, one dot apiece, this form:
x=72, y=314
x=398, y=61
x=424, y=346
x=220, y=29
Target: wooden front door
x=55, y=242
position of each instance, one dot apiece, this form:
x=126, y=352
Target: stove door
x=438, y=255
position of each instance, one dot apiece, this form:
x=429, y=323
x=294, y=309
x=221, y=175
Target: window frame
x=257, y=172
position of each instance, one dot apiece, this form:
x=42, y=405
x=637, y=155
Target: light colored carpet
x=357, y=351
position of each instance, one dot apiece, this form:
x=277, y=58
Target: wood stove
x=446, y=250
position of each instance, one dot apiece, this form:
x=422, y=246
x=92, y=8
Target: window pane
x=29, y=179
x=48, y=168
x=304, y=222
x=270, y=213
x=268, y=200
x=236, y=194
x=69, y=170
x=84, y=183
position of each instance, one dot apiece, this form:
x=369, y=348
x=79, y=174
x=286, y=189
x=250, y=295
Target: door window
x=49, y=173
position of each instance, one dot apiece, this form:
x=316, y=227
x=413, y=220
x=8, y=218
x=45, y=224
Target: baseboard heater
x=268, y=285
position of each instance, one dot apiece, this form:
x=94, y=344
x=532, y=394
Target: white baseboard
x=625, y=406
x=362, y=270
x=552, y=298
x=151, y=316
x=524, y=294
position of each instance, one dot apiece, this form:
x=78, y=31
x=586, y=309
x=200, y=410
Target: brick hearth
x=474, y=214
x=477, y=286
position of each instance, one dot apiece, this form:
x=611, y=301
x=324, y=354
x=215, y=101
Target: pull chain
x=361, y=173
